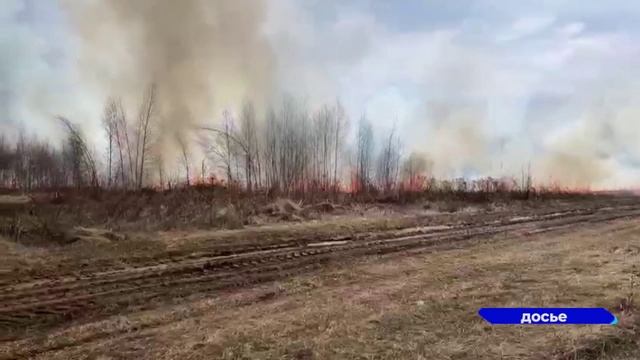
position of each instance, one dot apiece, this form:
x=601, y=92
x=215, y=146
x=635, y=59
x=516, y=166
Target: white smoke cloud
x=517, y=90
x=484, y=90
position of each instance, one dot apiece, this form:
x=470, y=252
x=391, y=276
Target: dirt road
x=37, y=314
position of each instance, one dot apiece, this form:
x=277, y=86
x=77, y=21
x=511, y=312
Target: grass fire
x=318, y=180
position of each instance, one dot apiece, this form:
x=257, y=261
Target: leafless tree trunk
x=229, y=148
x=124, y=127
x=364, y=154
x=228, y=152
x=6, y=161
x=81, y=158
x=271, y=149
x=250, y=141
x=340, y=123
x=388, y=162
x=109, y=121
x=322, y=142
x=293, y=150
x=120, y=128
x=31, y=164
x=414, y=172
x=144, y=122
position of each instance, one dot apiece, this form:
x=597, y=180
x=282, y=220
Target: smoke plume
x=203, y=56
x=479, y=94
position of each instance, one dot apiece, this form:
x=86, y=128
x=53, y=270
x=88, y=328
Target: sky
x=484, y=87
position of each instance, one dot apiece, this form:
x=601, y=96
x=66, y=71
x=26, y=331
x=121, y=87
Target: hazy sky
x=482, y=86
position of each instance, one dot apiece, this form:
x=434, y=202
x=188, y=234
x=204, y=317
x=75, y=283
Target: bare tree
x=235, y=149
x=287, y=148
x=143, y=131
x=270, y=151
x=250, y=140
x=20, y=162
x=109, y=122
x=228, y=152
x=123, y=127
x=6, y=161
x=322, y=143
x=364, y=154
x=340, y=124
x=526, y=182
x=121, y=139
x=224, y=145
x=414, y=171
x=126, y=168
x=80, y=156
x=388, y=162
x=294, y=151
x=31, y=164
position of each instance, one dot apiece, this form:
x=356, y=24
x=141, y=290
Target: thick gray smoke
x=600, y=149
x=203, y=56
x=574, y=127
x=491, y=97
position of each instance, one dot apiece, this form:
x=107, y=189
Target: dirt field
x=402, y=287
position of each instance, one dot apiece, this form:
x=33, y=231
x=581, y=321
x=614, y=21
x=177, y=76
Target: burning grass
x=215, y=206
x=121, y=227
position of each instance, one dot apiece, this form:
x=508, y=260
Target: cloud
x=571, y=29
x=37, y=76
x=526, y=26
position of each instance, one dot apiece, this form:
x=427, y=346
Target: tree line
x=288, y=149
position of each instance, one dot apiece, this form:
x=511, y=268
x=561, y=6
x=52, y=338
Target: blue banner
x=548, y=316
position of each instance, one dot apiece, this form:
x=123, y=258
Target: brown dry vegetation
x=208, y=207
x=115, y=226
x=411, y=306
x=420, y=302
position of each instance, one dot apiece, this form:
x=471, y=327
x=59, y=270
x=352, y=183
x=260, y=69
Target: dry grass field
x=395, y=287
x=311, y=180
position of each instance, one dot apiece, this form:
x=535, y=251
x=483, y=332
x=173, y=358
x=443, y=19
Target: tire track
x=239, y=258
x=164, y=267
x=107, y=293
x=97, y=298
